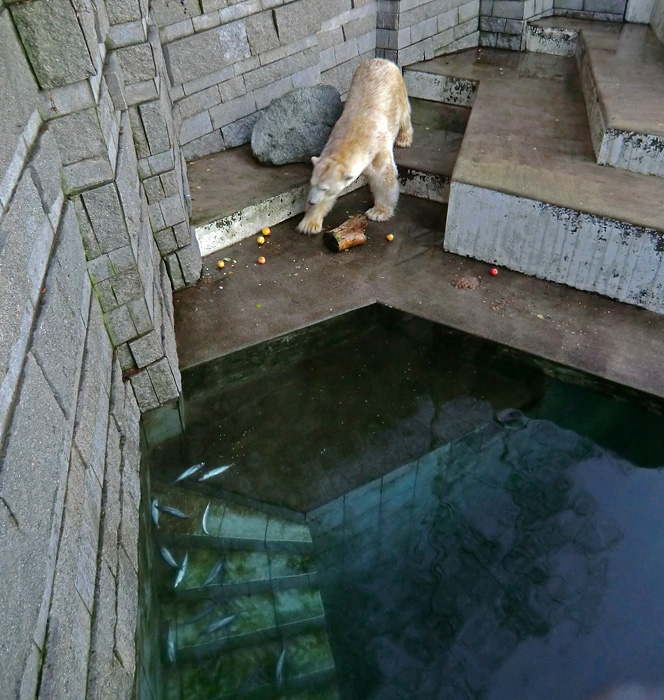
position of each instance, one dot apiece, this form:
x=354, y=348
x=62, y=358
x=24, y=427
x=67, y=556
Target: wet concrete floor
x=303, y=283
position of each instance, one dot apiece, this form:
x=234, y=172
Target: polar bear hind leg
x=382, y=176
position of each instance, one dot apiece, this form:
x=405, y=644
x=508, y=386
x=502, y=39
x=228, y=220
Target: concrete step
x=230, y=526
x=254, y=196
x=527, y=193
x=622, y=77
x=251, y=672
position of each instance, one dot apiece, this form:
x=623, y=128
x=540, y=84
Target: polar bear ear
x=314, y=160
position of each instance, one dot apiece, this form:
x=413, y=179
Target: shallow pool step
x=307, y=671
x=228, y=526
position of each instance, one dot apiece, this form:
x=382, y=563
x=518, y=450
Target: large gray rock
x=296, y=126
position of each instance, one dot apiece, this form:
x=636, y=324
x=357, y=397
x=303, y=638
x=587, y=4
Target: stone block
x=127, y=286
x=230, y=89
x=127, y=182
x=165, y=240
x=87, y=173
x=27, y=237
x=261, y=32
x=86, y=565
x=146, y=397
x=200, y=102
x=127, y=620
x=106, y=216
x=136, y=62
x=120, y=325
x=125, y=358
x=53, y=40
x=35, y=444
x=93, y=403
x=156, y=126
x=232, y=111
x=195, y=127
x=360, y=26
x=169, y=182
x=91, y=245
x=140, y=315
x=190, y=262
x=122, y=260
x=121, y=11
x=146, y=349
x=193, y=86
x=100, y=269
x=45, y=165
x=64, y=672
x=204, y=146
x=510, y=9
x=177, y=280
x=195, y=56
x=163, y=380
x=58, y=341
x=154, y=190
x=172, y=210
x=19, y=96
x=79, y=136
x=120, y=35
x=105, y=295
x=168, y=12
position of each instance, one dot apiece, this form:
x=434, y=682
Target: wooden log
x=348, y=234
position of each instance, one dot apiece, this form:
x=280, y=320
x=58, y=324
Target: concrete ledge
x=581, y=250
x=622, y=75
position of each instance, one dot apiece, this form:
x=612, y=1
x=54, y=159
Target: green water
x=478, y=527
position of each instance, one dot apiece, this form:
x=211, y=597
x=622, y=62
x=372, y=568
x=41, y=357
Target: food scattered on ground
x=348, y=234
x=494, y=271
x=220, y=264
x=261, y=260
x=260, y=240
x=266, y=231
x=390, y=236
x=466, y=282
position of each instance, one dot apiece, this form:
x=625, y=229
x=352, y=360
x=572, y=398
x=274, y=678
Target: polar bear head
x=329, y=178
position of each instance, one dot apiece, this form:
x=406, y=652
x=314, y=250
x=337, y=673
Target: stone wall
x=227, y=60
x=657, y=19
x=416, y=30
x=94, y=236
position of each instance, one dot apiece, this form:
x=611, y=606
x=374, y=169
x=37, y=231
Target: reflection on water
x=459, y=574
x=479, y=551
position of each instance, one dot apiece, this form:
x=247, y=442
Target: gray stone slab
x=120, y=11
x=35, y=445
x=195, y=56
x=261, y=32
x=105, y=213
x=120, y=325
x=54, y=42
x=64, y=672
x=156, y=126
x=147, y=349
x=136, y=62
x=146, y=397
x=190, y=262
x=163, y=377
x=58, y=341
x=170, y=11
x=45, y=165
x=27, y=238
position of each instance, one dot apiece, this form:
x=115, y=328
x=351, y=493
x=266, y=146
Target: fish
x=215, y=472
x=168, y=557
x=280, y=667
x=172, y=511
x=205, y=519
x=218, y=624
x=182, y=571
x=214, y=572
x=154, y=507
x=190, y=472
x=170, y=644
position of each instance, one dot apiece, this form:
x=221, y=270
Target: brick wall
x=227, y=60
x=94, y=236
x=416, y=30
x=657, y=19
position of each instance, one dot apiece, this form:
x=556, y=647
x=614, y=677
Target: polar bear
x=376, y=117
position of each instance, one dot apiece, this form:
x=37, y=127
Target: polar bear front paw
x=310, y=227
x=379, y=213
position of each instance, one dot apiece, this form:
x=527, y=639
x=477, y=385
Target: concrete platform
x=302, y=283
x=233, y=195
x=527, y=193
